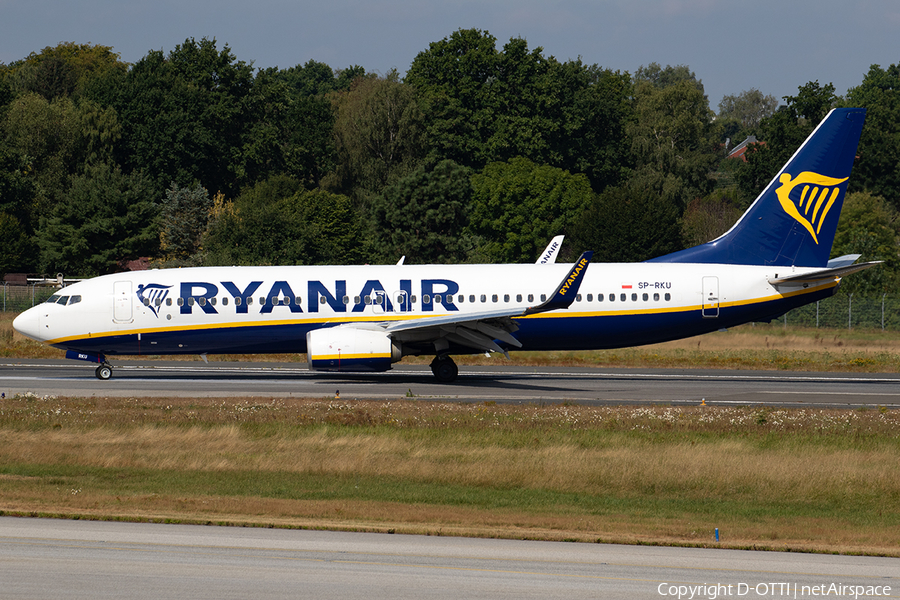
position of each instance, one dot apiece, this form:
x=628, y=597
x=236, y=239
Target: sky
x=774, y=46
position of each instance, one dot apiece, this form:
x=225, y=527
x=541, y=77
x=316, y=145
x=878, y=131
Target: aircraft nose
x=29, y=323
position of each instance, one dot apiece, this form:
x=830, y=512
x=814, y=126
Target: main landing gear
x=104, y=372
x=444, y=369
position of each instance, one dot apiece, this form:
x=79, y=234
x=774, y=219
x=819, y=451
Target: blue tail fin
x=794, y=219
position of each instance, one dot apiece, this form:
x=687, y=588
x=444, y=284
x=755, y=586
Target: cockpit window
x=53, y=299
x=63, y=300
x=74, y=300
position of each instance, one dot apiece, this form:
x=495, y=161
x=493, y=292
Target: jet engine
x=351, y=348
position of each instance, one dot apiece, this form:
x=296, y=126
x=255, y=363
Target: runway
x=42, y=558
x=501, y=383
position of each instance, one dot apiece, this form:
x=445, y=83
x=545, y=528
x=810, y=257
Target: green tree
x=627, y=223
x=674, y=139
x=183, y=219
x=16, y=189
x=423, y=216
x=869, y=226
x=64, y=70
x=318, y=79
x=878, y=167
x=285, y=133
x=661, y=77
x=276, y=223
x=518, y=206
x=107, y=217
x=483, y=105
x=183, y=115
x=46, y=136
x=16, y=251
x=379, y=134
x=748, y=108
x=707, y=218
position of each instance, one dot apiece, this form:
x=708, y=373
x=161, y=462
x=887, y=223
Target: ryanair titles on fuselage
x=201, y=295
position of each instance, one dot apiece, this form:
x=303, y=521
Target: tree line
x=480, y=153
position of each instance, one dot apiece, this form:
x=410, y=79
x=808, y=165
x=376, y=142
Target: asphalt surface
x=502, y=383
x=75, y=560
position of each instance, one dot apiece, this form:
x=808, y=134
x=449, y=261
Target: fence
x=17, y=298
x=844, y=311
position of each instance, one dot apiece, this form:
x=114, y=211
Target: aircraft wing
x=479, y=330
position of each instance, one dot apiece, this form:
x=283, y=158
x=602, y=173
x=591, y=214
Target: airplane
x=365, y=318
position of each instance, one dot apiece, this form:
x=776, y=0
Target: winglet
x=548, y=256
x=567, y=290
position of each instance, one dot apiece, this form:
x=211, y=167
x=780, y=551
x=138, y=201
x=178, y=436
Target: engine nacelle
x=350, y=348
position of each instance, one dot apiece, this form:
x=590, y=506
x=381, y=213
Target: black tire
x=103, y=372
x=444, y=369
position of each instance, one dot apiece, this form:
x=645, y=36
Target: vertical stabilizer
x=793, y=221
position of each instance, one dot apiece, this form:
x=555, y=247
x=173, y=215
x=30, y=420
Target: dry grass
x=796, y=479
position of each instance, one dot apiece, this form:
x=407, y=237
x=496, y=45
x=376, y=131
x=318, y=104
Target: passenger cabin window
x=494, y=298
x=656, y=297
x=518, y=297
x=225, y=301
x=471, y=297
x=623, y=297
x=460, y=299
x=668, y=296
x=531, y=297
x=634, y=297
x=599, y=297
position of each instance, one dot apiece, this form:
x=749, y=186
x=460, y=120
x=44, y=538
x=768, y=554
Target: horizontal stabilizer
x=824, y=274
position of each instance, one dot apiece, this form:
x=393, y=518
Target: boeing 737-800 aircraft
x=364, y=318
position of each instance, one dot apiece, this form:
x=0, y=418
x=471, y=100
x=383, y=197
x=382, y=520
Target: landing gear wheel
x=103, y=372
x=444, y=369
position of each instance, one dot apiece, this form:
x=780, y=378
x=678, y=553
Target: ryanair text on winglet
x=573, y=277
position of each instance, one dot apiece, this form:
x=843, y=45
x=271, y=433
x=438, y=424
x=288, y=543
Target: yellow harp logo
x=815, y=194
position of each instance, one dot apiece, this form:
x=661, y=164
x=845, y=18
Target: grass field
x=812, y=480
x=781, y=479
